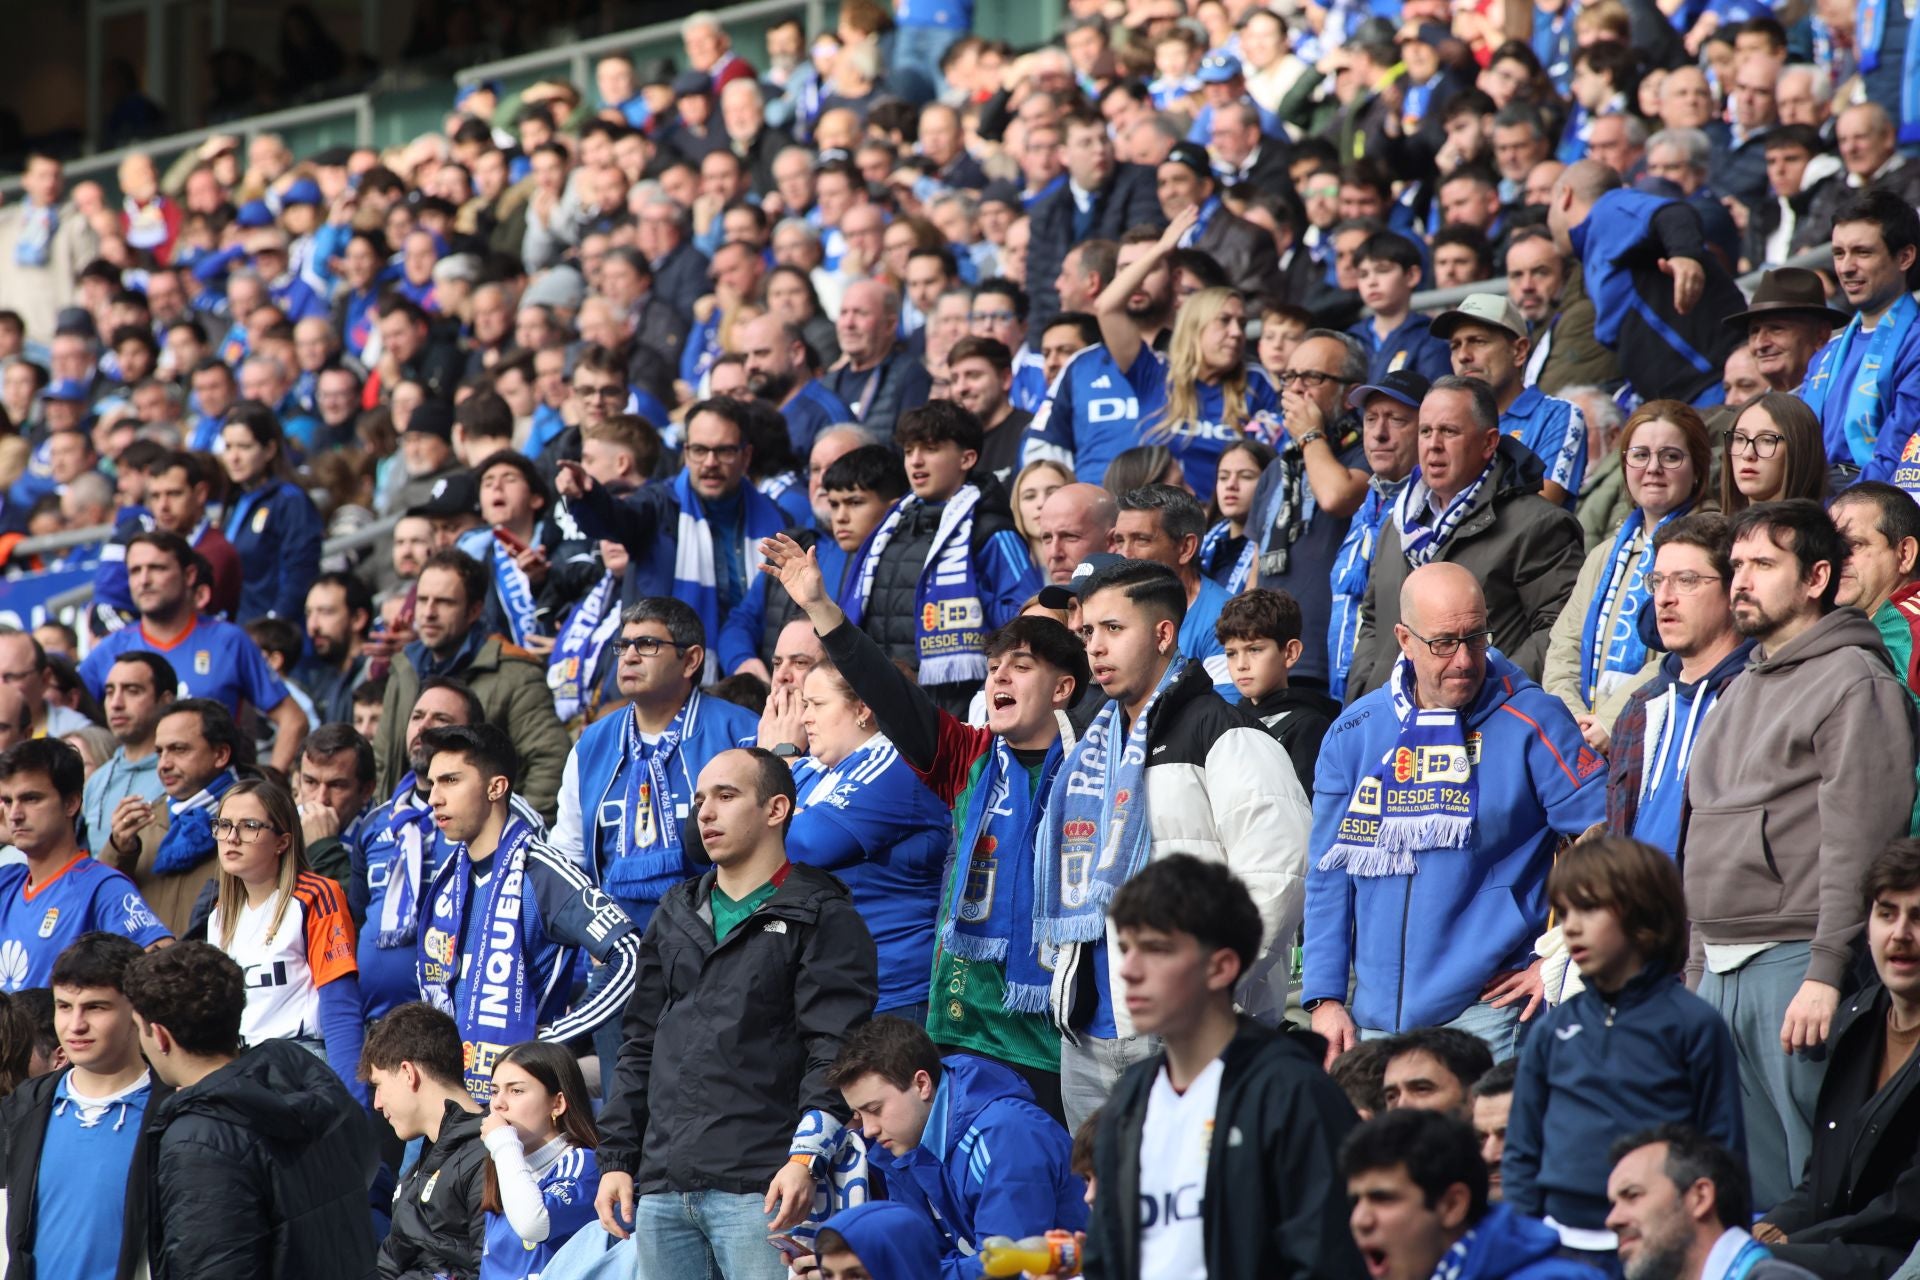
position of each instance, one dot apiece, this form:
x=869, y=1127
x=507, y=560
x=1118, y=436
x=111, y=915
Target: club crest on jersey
x=260, y=520
x=49, y=921
x=202, y=662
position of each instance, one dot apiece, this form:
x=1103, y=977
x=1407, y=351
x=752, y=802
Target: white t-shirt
x=285, y=970
x=1174, y=1145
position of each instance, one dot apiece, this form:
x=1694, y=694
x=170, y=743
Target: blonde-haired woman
x=1031, y=488
x=286, y=927
x=1204, y=396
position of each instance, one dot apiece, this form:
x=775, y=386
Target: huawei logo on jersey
x=13, y=965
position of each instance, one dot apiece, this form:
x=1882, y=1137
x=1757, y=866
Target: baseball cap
x=253, y=214
x=433, y=417
x=66, y=389
x=1481, y=308
x=1219, y=68
x=466, y=91
x=560, y=287
x=452, y=495
x=74, y=320
x=689, y=83
x=1193, y=156
x=656, y=73
x=1404, y=385
x=1060, y=594
x=303, y=191
x=1001, y=191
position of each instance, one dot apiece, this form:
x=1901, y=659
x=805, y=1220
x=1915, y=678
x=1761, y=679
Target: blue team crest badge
x=438, y=945
x=260, y=520
x=976, y=904
x=49, y=921
x=202, y=662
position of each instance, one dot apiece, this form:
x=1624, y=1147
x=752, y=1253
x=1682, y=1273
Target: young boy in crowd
x=1260, y=631
x=1633, y=1050
x=1389, y=270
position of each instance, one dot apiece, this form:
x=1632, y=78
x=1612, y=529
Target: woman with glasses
x=1775, y=450
x=864, y=815
x=1595, y=656
x=287, y=928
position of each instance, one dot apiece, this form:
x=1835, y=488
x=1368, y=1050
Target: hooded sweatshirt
x=990, y=1163
x=892, y=1241
x=1505, y=1246
x=1803, y=773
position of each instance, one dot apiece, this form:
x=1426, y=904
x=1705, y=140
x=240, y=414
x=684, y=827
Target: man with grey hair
x=710, y=50
x=743, y=114
x=875, y=378
x=665, y=236
x=1868, y=145
x=793, y=182
x=1804, y=95
x=1475, y=503
x=1618, y=139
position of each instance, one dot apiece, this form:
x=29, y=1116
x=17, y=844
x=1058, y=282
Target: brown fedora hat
x=1789, y=289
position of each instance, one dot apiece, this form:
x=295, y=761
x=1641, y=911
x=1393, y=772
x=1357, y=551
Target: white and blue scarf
x=188, y=840
x=1095, y=835
x=495, y=1006
x=695, y=574
x=1870, y=398
x=410, y=823
x=577, y=652
x=648, y=859
x=1423, y=795
x=517, y=600
x=1421, y=542
x=843, y=1178
x=1605, y=666
x=990, y=905
x=1235, y=579
x=1199, y=227
x=952, y=647
x=34, y=248
x=1351, y=568
x=1870, y=35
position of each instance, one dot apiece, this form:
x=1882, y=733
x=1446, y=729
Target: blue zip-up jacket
x=1507, y=1246
x=589, y=800
x=1422, y=947
x=1598, y=1066
x=746, y=625
x=1090, y=415
x=1411, y=346
x=812, y=410
x=990, y=1163
x=276, y=531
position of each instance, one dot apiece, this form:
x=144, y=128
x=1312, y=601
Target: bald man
x=1495, y=774
x=1076, y=521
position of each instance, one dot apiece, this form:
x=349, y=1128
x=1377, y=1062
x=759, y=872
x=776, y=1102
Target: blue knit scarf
x=695, y=557
x=1421, y=542
x=1624, y=594
x=990, y=901
x=517, y=600
x=189, y=836
x=950, y=622
x=1424, y=795
x=1095, y=835
x=648, y=859
x=493, y=1001
x=577, y=651
x=1868, y=401
x=1235, y=580
x=410, y=823
x=1870, y=35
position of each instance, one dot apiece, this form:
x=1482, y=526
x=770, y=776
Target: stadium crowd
x=956, y=669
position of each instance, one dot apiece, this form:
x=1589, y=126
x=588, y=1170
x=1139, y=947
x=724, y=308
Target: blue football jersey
x=567, y=1186
x=36, y=925
x=214, y=659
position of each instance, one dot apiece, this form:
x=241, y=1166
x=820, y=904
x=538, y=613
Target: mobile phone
x=507, y=538
x=789, y=1247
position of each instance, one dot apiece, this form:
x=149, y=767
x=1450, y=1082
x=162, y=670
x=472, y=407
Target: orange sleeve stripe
x=330, y=940
x=1544, y=741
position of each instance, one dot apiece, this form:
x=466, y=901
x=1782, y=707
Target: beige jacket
x=171, y=897
x=1561, y=676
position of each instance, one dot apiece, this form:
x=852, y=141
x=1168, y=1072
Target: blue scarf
x=950, y=622
x=648, y=860
x=410, y=823
x=1351, y=568
x=1095, y=835
x=844, y=1178
x=577, y=651
x=495, y=1006
x=990, y=914
x=1624, y=652
x=34, y=248
x=1199, y=227
x=1870, y=35
x=695, y=557
x=1422, y=542
x=516, y=592
x=1871, y=396
x=1423, y=796
x=188, y=841
x=1236, y=579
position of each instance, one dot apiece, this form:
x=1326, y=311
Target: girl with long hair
x=1226, y=553
x=273, y=525
x=542, y=1177
x=1774, y=450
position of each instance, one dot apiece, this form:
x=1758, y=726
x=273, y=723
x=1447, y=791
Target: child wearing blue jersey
x=541, y=1176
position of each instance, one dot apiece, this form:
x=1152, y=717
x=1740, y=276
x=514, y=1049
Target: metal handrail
x=1441, y=299
x=576, y=57
x=357, y=105
x=47, y=543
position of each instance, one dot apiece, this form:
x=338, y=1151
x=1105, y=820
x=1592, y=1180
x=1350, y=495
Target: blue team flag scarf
x=1236, y=578
x=1623, y=652
x=34, y=248
x=1351, y=568
x=950, y=622
x=695, y=577
x=495, y=1005
x=589, y=627
x=516, y=592
x=1095, y=835
x=1199, y=227
x=1865, y=407
x=647, y=858
x=1422, y=542
x=189, y=836
x=1870, y=28
x=990, y=916
x=1423, y=796
x=410, y=823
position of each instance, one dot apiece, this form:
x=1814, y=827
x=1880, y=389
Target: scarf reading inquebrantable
x=410, y=823
x=189, y=836
x=1607, y=661
x=695, y=576
x=495, y=1006
x=1419, y=542
x=1095, y=835
x=950, y=622
x=1864, y=405
x=990, y=912
x=576, y=653
x=1422, y=796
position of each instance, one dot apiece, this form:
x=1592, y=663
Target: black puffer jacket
x=260, y=1172
x=746, y=1029
x=438, y=1225
x=892, y=612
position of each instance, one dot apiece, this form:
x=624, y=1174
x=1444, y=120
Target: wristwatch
x=1309, y=438
x=787, y=751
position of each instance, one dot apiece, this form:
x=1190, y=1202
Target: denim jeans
x=1500, y=1028
x=704, y=1235
x=1090, y=1070
x=916, y=53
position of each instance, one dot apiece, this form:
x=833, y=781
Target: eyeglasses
x=645, y=646
x=992, y=317
x=1309, y=379
x=1764, y=445
x=1685, y=583
x=1640, y=455
x=1330, y=191
x=609, y=392
x=1447, y=646
x=245, y=831
x=705, y=452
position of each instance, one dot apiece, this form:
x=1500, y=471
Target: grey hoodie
x=1803, y=773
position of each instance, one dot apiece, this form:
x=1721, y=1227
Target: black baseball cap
x=1059, y=595
x=453, y=495
x=1193, y=156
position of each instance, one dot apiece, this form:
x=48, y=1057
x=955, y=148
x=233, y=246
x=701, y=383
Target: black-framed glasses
x=1640, y=456
x=1685, y=582
x=1309, y=379
x=1447, y=646
x=1764, y=445
x=245, y=831
x=703, y=452
x=645, y=646
x=609, y=392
